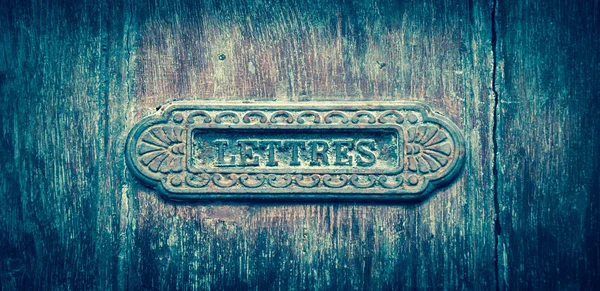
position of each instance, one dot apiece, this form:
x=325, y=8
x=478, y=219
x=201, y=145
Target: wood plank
x=548, y=144
x=78, y=76
x=59, y=218
x=302, y=51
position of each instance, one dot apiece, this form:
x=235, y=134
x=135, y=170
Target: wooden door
x=520, y=79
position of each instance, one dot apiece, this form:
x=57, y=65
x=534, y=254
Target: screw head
x=222, y=57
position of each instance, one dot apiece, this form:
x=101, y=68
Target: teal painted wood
x=548, y=147
x=75, y=77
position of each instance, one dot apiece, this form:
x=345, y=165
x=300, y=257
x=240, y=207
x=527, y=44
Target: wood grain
x=76, y=76
x=548, y=145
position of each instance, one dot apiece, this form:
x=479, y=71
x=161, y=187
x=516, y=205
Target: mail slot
x=281, y=150
x=392, y=151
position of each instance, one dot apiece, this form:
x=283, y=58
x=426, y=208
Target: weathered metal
x=392, y=151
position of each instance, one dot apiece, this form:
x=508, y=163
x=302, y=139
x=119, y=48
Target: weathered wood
x=59, y=214
x=548, y=145
x=77, y=76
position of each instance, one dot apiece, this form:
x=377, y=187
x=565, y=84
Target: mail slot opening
x=295, y=149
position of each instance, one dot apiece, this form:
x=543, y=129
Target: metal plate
x=281, y=151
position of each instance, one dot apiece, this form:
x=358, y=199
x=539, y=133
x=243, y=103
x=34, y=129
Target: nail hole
x=222, y=57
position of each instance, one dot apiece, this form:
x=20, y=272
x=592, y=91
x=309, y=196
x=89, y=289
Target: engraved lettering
x=294, y=147
x=315, y=152
x=246, y=152
x=341, y=152
x=221, y=144
x=365, y=148
x=270, y=146
x=318, y=152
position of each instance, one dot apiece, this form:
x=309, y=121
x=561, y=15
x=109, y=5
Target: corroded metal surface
x=322, y=151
